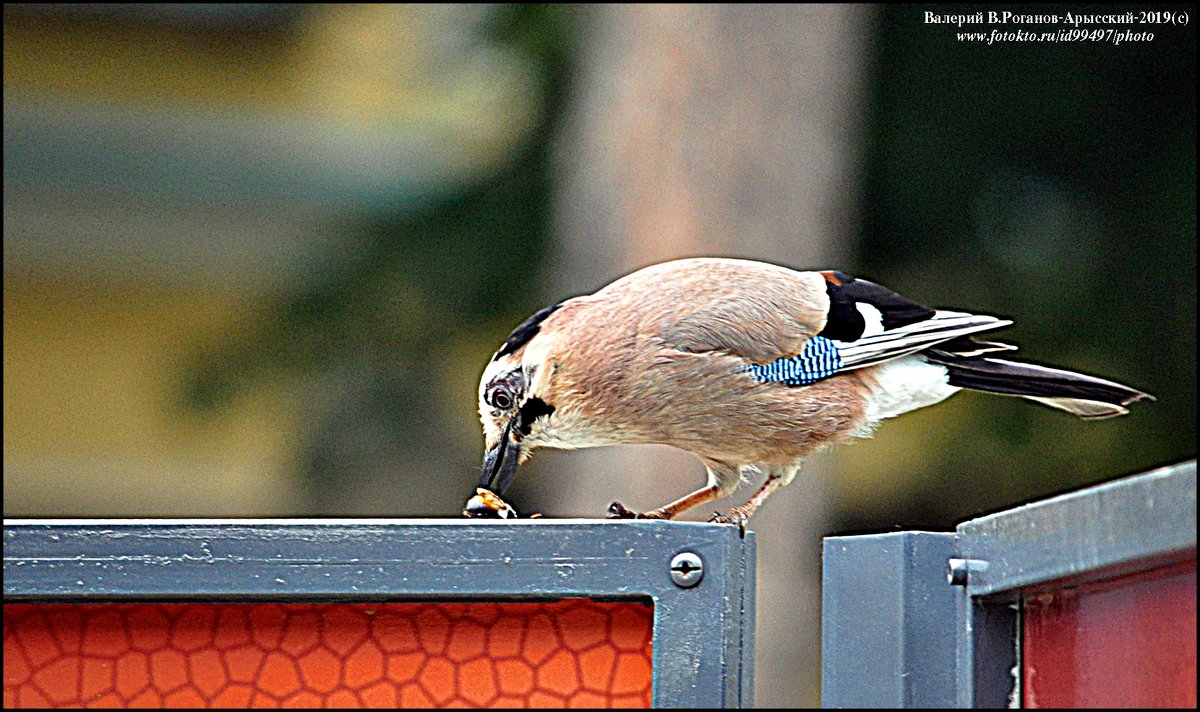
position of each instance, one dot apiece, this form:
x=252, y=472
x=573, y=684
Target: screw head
x=686, y=569
x=959, y=571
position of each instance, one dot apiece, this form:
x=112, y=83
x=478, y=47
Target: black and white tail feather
x=869, y=324
x=1086, y=396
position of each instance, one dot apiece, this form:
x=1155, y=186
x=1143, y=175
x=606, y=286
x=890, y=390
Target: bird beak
x=500, y=463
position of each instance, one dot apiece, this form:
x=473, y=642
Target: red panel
x=1123, y=642
x=568, y=653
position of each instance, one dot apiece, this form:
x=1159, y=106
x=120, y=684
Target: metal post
x=888, y=621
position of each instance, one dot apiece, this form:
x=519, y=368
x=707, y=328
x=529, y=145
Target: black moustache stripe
x=533, y=409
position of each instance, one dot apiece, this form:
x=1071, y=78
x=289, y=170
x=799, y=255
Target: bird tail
x=1086, y=396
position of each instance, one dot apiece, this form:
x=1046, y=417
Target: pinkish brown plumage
x=749, y=366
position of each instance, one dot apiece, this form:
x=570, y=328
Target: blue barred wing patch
x=819, y=359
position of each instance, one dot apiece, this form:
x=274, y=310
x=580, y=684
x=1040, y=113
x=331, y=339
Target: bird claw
x=733, y=516
x=616, y=510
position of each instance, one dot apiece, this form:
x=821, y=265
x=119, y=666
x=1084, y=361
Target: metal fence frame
x=920, y=619
x=703, y=636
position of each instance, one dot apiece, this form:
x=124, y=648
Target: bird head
x=514, y=403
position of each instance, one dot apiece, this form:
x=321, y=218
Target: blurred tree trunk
x=713, y=130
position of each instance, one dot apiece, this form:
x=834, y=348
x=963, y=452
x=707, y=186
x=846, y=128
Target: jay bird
x=750, y=366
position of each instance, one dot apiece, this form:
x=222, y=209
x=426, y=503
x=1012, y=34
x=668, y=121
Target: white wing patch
x=872, y=317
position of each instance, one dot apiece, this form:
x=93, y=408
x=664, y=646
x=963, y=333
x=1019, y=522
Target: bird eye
x=501, y=398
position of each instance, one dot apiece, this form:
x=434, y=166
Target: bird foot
x=733, y=516
x=616, y=510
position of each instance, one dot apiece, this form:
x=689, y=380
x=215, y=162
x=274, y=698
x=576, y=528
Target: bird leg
x=740, y=514
x=616, y=510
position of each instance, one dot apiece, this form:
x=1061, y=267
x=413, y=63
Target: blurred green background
x=256, y=256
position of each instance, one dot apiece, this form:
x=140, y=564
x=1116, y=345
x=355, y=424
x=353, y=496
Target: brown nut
x=487, y=504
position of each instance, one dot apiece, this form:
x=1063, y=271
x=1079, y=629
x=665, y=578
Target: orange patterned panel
x=568, y=653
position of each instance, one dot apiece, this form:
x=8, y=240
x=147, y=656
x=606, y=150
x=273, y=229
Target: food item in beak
x=487, y=504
